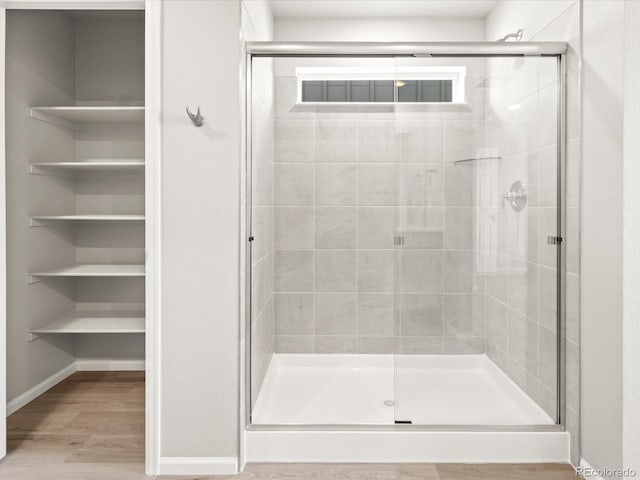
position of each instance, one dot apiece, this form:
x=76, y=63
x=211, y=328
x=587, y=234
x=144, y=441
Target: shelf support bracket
x=33, y=170
x=46, y=117
x=37, y=170
x=34, y=336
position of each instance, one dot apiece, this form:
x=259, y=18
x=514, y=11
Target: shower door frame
x=419, y=49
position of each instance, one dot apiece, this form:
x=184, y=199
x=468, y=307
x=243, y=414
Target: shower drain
x=389, y=403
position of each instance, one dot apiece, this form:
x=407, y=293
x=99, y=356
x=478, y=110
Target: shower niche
x=398, y=271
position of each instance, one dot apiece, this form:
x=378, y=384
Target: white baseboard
x=198, y=466
x=21, y=400
x=80, y=365
x=108, y=364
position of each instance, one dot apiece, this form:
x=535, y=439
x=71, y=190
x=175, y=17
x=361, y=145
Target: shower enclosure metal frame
x=419, y=49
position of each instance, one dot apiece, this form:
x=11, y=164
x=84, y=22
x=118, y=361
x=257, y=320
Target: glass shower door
x=476, y=255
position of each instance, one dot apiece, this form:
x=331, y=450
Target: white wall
x=379, y=29
x=258, y=24
x=601, y=306
x=532, y=16
x=631, y=235
x=200, y=231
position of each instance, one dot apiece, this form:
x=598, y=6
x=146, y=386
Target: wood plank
x=90, y=426
x=506, y=472
x=74, y=471
x=25, y=448
x=88, y=389
x=56, y=403
x=345, y=471
x=110, y=449
x=108, y=423
x=25, y=421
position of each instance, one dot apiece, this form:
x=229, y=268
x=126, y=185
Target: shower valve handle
x=510, y=196
x=516, y=197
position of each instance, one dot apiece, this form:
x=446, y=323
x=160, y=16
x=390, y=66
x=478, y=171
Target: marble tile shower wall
x=262, y=212
x=345, y=183
x=522, y=273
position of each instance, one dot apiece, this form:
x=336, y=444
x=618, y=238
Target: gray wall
x=110, y=58
x=40, y=70
x=200, y=230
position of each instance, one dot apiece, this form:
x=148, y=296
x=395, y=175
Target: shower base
x=342, y=408
x=380, y=389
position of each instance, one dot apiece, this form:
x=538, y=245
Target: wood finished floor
x=91, y=427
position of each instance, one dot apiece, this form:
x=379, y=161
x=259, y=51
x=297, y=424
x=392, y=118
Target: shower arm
x=517, y=35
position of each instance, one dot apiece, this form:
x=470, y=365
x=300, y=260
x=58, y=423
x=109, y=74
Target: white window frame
x=456, y=74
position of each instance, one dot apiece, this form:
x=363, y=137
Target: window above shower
x=374, y=85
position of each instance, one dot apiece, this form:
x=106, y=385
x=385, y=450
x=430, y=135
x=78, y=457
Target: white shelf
x=90, y=270
x=94, y=322
x=73, y=116
x=39, y=220
x=112, y=166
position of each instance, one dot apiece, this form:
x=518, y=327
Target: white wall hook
x=197, y=119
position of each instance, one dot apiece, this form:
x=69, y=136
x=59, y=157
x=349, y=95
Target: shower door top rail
x=417, y=49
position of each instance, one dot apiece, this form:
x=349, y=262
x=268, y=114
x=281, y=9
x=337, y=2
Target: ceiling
x=382, y=8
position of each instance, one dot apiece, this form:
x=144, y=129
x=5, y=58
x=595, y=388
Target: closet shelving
x=95, y=322
x=41, y=220
x=73, y=116
x=90, y=270
x=75, y=168
x=78, y=168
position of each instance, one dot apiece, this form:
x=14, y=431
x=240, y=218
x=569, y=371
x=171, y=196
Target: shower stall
x=404, y=237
